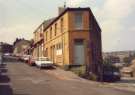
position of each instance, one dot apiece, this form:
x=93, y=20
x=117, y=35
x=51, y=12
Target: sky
x=19, y=18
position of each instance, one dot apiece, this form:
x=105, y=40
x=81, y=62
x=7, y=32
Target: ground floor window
x=59, y=49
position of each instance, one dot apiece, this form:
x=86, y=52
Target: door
x=79, y=52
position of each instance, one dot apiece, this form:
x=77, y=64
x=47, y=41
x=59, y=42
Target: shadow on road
x=10, y=59
x=128, y=80
x=5, y=88
x=48, y=68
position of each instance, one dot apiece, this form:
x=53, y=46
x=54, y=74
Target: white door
x=79, y=53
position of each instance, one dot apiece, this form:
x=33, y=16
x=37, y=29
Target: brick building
x=71, y=38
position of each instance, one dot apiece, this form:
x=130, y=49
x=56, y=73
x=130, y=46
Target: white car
x=25, y=58
x=7, y=54
x=43, y=62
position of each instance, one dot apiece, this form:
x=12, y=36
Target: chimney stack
x=61, y=9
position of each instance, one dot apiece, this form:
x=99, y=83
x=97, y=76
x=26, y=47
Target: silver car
x=43, y=62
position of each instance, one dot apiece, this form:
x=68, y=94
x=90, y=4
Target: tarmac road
x=20, y=79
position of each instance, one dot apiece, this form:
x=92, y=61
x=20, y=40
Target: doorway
x=79, y=52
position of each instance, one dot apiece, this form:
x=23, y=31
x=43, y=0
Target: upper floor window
x=55, y=29
x=41, y=35
x=78, y=20
x=50, y=32
x=46, y=35
x=62, y=26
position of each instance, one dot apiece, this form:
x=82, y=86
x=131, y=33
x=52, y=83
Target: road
x=20, y=79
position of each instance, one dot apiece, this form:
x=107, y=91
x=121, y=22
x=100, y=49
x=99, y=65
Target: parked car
x=25, y=58
x=43, y=62
x=1, y=59
x=111, y=74
x=7, y=54
x=31, y=61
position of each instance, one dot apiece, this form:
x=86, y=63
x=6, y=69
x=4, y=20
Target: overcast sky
x=19, y=18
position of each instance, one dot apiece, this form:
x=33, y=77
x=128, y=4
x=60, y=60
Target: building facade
x=38, y=45
x=72, y=38
x=120, y=54
x=20, y=46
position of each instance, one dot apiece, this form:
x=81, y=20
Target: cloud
x=17, y=20
x=111, y=16
x=9, y=34
x=74, y=3
x=119, y=8
x=20, y=20
x=132, y=29
x=78, y=3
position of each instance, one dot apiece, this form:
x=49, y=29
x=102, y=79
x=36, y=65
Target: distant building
x=120, y=54
x=6, y=48
x=72, y=38
x=20, y=45
x=112, y=59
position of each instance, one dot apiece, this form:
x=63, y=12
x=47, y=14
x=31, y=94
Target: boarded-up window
x=78, y=20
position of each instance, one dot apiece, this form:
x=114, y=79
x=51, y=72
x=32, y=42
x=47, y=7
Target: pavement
x=126, y=83
x=20, y=79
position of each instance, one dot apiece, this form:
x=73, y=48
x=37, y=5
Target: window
x=78, y=20
x=59, y=46
x=62, y=25
x=55, y=29
x=46, y=52
x=59, y=49
x=50, y=32
x=46, y=35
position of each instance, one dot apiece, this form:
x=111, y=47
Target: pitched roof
x=45, y=23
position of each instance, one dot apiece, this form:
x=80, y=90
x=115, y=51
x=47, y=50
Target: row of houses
x=118, y=56
x=72, y=38
x=21, y=46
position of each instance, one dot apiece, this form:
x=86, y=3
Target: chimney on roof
x=61, y=9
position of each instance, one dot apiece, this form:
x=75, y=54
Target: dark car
x=111, y=74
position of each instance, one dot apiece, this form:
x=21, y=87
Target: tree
x=111, y=59
x=127, y=59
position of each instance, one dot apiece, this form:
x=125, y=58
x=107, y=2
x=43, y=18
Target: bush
x=79, y=70
x=66, y=67
x=91, y=76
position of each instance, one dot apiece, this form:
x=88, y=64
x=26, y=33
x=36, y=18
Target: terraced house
x=71, y=38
